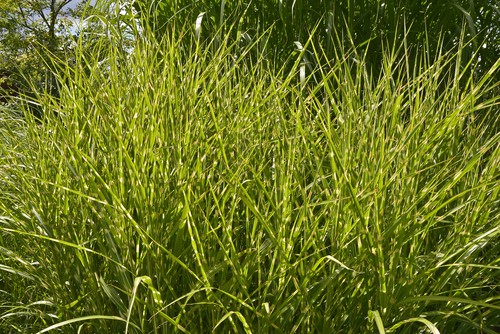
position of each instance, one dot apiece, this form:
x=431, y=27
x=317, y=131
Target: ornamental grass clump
x=174, y=187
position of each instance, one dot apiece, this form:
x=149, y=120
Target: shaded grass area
x=171, y=189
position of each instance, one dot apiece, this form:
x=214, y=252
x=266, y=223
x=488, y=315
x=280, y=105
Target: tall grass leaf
x=114, y=296
x=16, y=271
x=82, y=319
x=375, y=315
x=240, y=317
x=446, y=299
x=426, y=322
x=156, y=296
x=197, y=26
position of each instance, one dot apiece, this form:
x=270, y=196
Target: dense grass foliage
x=367, y=23
x=181, y=188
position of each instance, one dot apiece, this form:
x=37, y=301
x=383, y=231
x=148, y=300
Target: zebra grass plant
x=181, y=188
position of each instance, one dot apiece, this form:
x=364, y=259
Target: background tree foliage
x=31, y=33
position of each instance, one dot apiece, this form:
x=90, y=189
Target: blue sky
x=74, y=3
